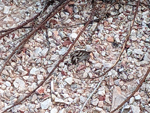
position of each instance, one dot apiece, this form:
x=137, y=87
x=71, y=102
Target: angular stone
x=45, y=104
x=94, y=101
x=18, y=83
x=69, y=80
x=54, y=110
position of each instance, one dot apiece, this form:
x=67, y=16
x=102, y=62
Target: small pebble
x=110, y=20
x=130, y=77
x=82, y=99
x=62, y=111
x=62, y=51
x=110, y=39
x=54, y=110
x=100, y=110
x=94, y=102
x=73, y=36
x=69, y=80
x=138, y=97
x=18, y=83
x=101, y=91
x=6, y=9
x=7, y=83
x=131, y=100
x=34, y=71
x=100, y=104
x=45, y=104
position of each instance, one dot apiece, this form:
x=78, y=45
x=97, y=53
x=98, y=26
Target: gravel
x=70, y=85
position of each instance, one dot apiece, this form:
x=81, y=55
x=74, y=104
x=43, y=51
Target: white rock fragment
x=18, y=83
x=61, y=34
x=58, y=100
x=100, y=110
x=34, y=71
x=24, y=73
x=49, y=69
x=75, y=9
x=21, y=70
x=117, y=38
x=54, y=57
x=96, y=54
x=138, y=97
x=63, y=15
x=62, y=111
x=127, y=107
x=117, y=6
x=118, y=98
x=82, y=99
x=52, y=86
x=40, y=77
x=7, y=83
x=131, y=100
x=89, y=48
x=93, y=26
x=101, y=91
x=80, y=91
x=34, y=97
x=100, y=104
x=38, y=51
x=3, y=86
x=70, y=100
x=24, y=108
x=94, y=101
x=32, y=87
x=67, y=21
x=54, y=110
x=147, y=57
x=121, y=69
x=45, y=104
x=100, y=28
x=130, y=77
x=107, y=99
x=6, y=9
x=135, y=109
x=65, y=95
x=50, y=33
x=110, y=20
x=133, y=32
x=69, y=80
x=73, y=36
x=134, y=38
x=44, y=51
x=98, y=65
x=107, y=65
x=8, y=19
x=62, y=51
x=90, y=75
x=5, y=72
x=77, y=16
x=87, y=70
x=101, y=36
x=138, y=51
x=114, y=26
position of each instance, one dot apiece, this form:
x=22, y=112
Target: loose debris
x=40, y=41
